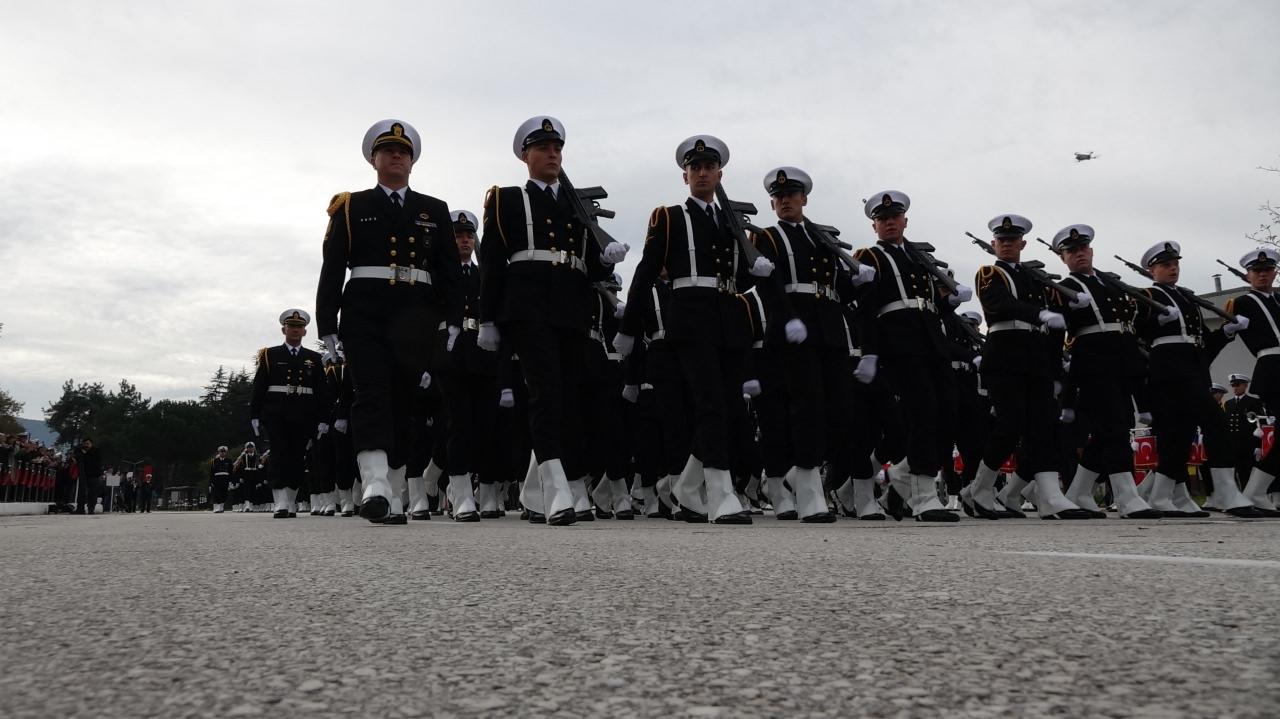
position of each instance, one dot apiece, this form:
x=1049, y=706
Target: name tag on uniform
x=424, y=223
x=368, y=219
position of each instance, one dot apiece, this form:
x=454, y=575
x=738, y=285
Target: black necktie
x=711, y=212
x=293, y=351
x=551, y=193
x=395, y=199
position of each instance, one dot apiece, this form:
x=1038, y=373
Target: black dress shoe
x=467, y=517
x=1071, y=514
x=491, y=514
x=937, y=515
x=375, y=509
x=967, y=506
x=625, y=514
x=1144, y=514
x=743, y=517
x=396, y=519
x=535, y=517
x=329, y=513
x=281, y=514
x=787, y=516
x=847, y=513
x=563, y=518
x=872, y=517
x=693, y=517
x=421, y=515
x=1251, y=513
x=348, y=512
x=819, y=518
x=1094, y=514
x=586, y=516
x=603, y=514
x=982, y=512
x=894, y=505
x=315, y=513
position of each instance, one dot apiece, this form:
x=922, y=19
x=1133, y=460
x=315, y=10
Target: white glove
x=961, y=295
x=796, y=331
x=425, y=382
x=454, y=331
x=489, y=337
x=322, y=429
x=327, y=358
x=623, y=344
x=631, y=392
x=762, y=267
x=977, y=362
x=1053, y=320
x=866, y=273
x=614, y=252
x=1257, y=433
x=1170, y=314
x=1144, y=417
x=1231, y=328
x=340, y=425
x=1257, y=454
x=1067, y=416
x=865, y=372
x=507, y=398
x=330, y=346
x=1057, y=389
x=1082, y=300
x=751, y=388
x=620, y=310
x=254, y=423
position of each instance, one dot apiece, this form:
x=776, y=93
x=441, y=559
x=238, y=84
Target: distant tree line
x=178, y=438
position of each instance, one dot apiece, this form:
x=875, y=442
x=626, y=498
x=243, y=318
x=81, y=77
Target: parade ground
x=239, y=615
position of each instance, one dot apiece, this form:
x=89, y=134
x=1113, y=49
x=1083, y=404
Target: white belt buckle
x=726, y=284
x=561, y=258
x=470, y=324
x=404, y=274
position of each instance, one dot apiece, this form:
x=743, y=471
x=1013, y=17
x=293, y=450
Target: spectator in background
x=89, y=462
x=144, y=494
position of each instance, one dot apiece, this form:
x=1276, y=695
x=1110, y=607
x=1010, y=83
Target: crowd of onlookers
x=80, y=479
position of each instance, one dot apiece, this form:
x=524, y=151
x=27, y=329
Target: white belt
x=915, y=303
x=960, y=364
x=660, y=334
x=1177, y=340
x=1095, y=329
x=855, y=352
x=290, y=389
x=615, y=356
x=467, y=324
x=403, y=274
x=1011, y=325
x=809, y=288
x=560, y=257
x=645, y=385
x=757, y=344
x=715, y=283
x=1269, y=351
x=221, y=474
x=595, y=335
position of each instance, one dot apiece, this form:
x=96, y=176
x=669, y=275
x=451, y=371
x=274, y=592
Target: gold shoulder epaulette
x=262, y=356
x=1230, y=307
x=339, y=200
x=488, y=195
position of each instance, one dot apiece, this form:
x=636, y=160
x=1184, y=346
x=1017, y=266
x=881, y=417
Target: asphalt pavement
x=241, y=615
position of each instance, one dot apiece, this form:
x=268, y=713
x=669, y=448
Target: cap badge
x=547, y=126
x=397, y=129
x=423, y=216
x=1075, y=234
x=782, y=178
x=886, y=201
x=1006, y=224
x=699, y=146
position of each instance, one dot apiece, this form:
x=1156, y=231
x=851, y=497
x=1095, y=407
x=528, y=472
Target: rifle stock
x=1186, y=293
x=737, y=213
x=578, y=200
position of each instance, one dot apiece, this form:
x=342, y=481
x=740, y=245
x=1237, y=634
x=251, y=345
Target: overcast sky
x=165, y=167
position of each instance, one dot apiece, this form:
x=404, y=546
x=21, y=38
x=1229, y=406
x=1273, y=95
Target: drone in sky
x=1082, y=156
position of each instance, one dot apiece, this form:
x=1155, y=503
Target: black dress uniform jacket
x=466, y=356
x=813, y=284
x=516, y=290
x=914, y=331
x=366, y=229
x=1263, y=311
x=1029, y=352
x=1188, y=359
x=279, y=368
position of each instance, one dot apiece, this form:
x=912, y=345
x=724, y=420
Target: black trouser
x=87, y=494
x=1179, y=407
x=817, y=380
x=472, y=400
x=772, y=413
x=664, y=444
x=1104, y=410
x=324, y=472
x=1025, y=415
x=144, y=498
x=713, y=376
x=973, y=424
x=608, y=448
x=287, y=465
x=218, y=489
x=551, y=360
x=386, y=356
x=921, y=384
x=513, y=441
x=343, y=459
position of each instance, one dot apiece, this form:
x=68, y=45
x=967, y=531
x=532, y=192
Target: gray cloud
x=168, y=166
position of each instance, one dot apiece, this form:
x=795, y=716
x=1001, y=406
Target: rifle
x=922, y=254
x=1113, y=281
x=1234, y=271
x=1035, y=268
x=826, y=235
x=606, y=293
x=737, y=214
x=585, y=214
x=1187, y=294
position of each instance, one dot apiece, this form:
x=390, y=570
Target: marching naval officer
x=219, y=479
x=537, y=262
x=405, y=281
x=288, y=392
